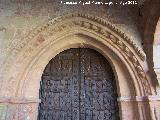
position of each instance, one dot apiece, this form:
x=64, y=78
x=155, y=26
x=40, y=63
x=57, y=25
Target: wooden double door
x=78, y=84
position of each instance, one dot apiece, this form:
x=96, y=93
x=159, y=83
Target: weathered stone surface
x=33, y=32
x=16, y=16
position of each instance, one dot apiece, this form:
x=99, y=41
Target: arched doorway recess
x=78, y=84
x=77, y=31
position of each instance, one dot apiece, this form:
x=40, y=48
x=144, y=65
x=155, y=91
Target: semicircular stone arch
x=73, y=31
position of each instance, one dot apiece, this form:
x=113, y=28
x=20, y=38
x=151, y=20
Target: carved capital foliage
x=75, y=23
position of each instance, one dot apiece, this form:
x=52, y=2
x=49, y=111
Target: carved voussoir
x=142, y=55
x=120, y=44
x=134, y=59
x=86, y=25
x=95, y=28
x=113, y=38
x=104, y=33
x=139, y=68
x=126, y=50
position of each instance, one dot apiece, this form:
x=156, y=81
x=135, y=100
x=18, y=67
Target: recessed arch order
x=28, y=59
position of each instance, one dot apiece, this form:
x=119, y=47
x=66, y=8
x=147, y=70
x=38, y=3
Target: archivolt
x=74, y=24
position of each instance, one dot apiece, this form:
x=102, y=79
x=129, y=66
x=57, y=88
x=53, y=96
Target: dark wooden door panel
x=78, y=84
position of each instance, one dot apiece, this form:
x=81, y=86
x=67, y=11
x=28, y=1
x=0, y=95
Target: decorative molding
x=93, y=24
x=60, y=28
x=101, y=21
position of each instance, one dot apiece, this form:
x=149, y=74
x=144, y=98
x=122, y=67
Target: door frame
x=74, y=31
